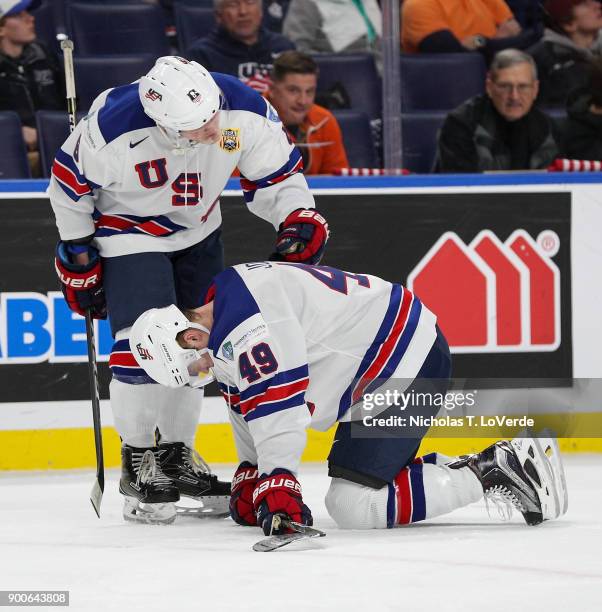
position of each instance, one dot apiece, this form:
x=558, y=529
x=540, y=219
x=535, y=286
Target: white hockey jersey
x=119, y=177
x=295, y=346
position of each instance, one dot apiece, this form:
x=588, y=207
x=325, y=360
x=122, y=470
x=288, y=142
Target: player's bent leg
x=424, y=489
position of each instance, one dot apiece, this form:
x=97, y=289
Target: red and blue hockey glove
x=241, y=498
x=81, y=283
x=279, y=493
x=302, y=237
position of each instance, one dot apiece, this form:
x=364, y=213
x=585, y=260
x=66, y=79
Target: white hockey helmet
x=179, y=94
x=154, y=346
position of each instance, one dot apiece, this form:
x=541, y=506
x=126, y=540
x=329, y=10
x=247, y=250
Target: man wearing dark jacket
x=583, y=128
x=239, y=45
x=571, y=40
x=30, y=78
x=500, y=130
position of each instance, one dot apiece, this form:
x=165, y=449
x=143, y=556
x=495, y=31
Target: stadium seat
x=357, y=74
x=357, y=136
x=45, y=25
x=13, y=155
x=440, y=81
x=53, y=129
x=95, y=74
x=102, y=29
x=419, y=139
x=192, y=23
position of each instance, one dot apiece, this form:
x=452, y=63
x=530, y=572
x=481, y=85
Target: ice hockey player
x=296, y=346
x=135, y=191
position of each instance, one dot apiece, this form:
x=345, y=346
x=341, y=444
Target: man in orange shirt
x=313, y=128
x=447, y=26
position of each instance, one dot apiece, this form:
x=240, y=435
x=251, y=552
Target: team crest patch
x=230, y=141
x=228, y=351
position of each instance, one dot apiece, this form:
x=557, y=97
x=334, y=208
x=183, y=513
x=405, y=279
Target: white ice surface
x=50, y=538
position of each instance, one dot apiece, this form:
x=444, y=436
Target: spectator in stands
x=571, y=40
x=500, y=130
x=239, y=45
x=313, y=128
x=30, y=78
x=583, y=127
x=334, y=26
x=449, y=26
x=274, y=12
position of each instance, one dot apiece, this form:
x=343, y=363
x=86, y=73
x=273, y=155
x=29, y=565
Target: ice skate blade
x=211, y=507
x=149, y=514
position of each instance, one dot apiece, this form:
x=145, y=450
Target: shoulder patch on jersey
x=122, y=112
x=229, y=289
x=272, y=114
x=230, y=140
x=239, y=96
x=228, y=351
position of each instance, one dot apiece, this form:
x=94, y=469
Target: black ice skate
x=526, y=474
x=193, y=477
x=149, y=495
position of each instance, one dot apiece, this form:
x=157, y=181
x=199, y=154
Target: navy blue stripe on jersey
x=284, y=390
x=266, y=409
x=68, y=176
x=238, y=96
x=160, y=226
x=371, y=356
x=292, y=166
x=229, y=289
x=122, y=112
x=124, y=366
x=231, y=395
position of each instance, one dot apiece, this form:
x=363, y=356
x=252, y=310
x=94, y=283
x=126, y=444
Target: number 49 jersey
x=296, y=346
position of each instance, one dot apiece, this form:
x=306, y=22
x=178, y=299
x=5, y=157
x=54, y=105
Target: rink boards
x=523, y=251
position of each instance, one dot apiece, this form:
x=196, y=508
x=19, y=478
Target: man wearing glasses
x=500, y=130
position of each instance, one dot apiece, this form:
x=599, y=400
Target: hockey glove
x=279, y=493
x=81, y=283
x=241, y=498
x=302, y=237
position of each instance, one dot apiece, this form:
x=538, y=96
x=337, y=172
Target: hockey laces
x=504, y=501
x=148, y=470
x=195, y=462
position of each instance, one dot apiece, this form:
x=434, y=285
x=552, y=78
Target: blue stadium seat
x=356, y=72
x=192, y=23
x=45, y=25
x=357, y=136
x=13, y=155
x=95, y=74
x=440, y=81
x=419, y=139
x=53, y=129
x=103, y=29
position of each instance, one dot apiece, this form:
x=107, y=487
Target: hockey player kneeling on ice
x=296, y=346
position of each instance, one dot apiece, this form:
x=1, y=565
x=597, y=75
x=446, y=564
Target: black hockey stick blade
x=274, y=542
x=96, y=495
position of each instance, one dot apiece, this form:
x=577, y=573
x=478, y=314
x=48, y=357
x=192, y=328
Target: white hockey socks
x=179, y=414
x=424, y=489
x=135, y=410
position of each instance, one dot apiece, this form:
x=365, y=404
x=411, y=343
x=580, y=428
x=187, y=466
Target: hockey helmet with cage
x=155, y=347
x=179, y=94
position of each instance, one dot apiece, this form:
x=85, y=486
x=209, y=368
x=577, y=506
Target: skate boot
x=193, y=477
x=149, y=495
x=525, y=474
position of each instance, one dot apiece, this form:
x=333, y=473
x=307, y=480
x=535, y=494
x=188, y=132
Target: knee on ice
x=353, y=506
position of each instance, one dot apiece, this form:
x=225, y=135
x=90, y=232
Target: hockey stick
x=300, y=532
x=99, y=485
